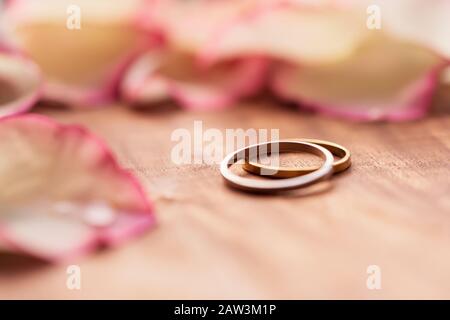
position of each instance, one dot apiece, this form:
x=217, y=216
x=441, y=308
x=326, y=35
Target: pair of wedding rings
x=291, y=178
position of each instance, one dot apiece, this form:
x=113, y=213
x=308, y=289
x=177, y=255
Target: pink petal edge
x=106, y=237
x=251, y=79
x=24, y=103
x=252, y=76
x=82, y=97
x=89, y=98
x=208, y=55
x=419, y=93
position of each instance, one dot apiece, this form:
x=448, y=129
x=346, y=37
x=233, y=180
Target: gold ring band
x=288, y=172
x=249, y=184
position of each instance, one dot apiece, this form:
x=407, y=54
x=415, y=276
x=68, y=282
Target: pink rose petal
x=298, y=31
x=82, y=66
x=63, y=193
x=20, y=84
x=188, y=25
x=422, y=21
x=159, y=76
x=385, y=80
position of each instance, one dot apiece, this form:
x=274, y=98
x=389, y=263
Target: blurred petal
x=446, y=76
x=385, y=79
x=63, y=193
x=159, y=76
x=20, y=84
x=291, y=31
x=422, y=21
x=188, y=25
x=82, y=65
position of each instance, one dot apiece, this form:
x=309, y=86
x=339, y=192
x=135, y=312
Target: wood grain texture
x=391, y=209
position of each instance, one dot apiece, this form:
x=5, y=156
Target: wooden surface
x=391, y=209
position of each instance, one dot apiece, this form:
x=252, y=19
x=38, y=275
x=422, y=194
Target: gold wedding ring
x=340, y=165
x=249, y=184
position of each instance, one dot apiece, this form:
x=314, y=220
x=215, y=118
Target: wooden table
x=391, y=209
